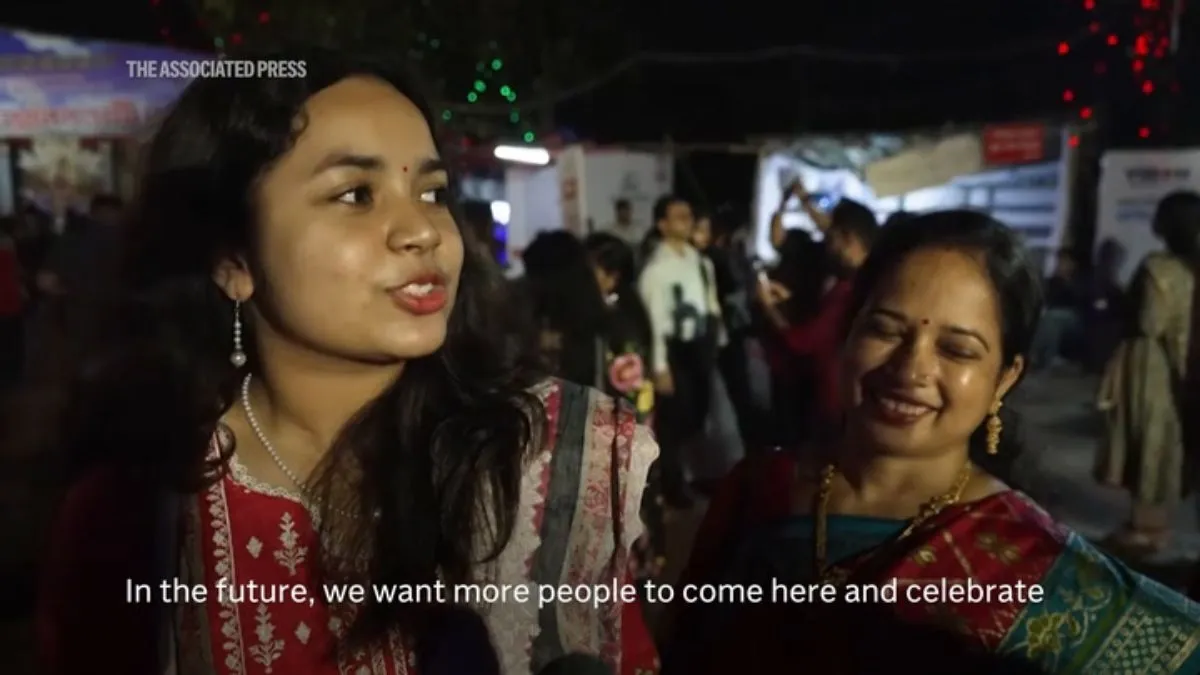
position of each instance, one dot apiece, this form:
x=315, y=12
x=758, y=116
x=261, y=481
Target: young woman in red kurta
x=307, y=382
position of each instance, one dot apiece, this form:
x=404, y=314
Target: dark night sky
x=727, y=102
x=722, y=102
x=732, y=102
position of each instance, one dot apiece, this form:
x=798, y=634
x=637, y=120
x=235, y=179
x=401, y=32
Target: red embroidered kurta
x=240, y=531
x=253, y=533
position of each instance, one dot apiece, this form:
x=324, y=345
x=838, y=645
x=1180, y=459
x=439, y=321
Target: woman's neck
x=876, y=477
x=304, y=400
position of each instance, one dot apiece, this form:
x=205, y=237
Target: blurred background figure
x=623, y=226
x=568, y=314
x=1146, y=385
x=678, y=286
x=13, y=297
x=1062, y=324
x=1107, y=307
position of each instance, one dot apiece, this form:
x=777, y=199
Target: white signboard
x=1131, y=184
x=636, y=177
x=579, y=193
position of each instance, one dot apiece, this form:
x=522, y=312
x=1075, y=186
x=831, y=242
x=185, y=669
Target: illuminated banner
x=55, y=85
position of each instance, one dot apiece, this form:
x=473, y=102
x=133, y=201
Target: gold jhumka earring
x=994, y=427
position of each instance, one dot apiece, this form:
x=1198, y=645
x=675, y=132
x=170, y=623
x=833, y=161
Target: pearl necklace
x=266, y=443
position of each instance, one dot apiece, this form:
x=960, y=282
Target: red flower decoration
x=626, y=373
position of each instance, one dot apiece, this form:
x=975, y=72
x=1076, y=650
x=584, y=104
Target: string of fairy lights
x=1142, y=41
x=1143, y=45
x=488, y=85
x=491, y=82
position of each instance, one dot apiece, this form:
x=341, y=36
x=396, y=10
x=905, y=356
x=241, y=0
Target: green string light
x=485, y=70
x=529, y=136
x=446, y=115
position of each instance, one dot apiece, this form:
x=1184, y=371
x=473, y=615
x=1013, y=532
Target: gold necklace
x=929, y=509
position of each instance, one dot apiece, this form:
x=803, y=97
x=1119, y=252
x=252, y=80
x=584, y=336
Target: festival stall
x=1018, y=173
x=578, y=192
x=69, y=114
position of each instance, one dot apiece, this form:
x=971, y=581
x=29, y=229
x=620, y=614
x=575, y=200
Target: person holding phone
x=850, y=231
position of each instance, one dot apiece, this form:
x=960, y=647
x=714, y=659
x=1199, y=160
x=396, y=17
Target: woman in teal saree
x=984, y=579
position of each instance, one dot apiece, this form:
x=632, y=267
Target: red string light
x=163, y=31
x=264, y=17
x=1075, y=96
x=1150, y=50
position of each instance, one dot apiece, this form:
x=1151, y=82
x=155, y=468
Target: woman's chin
x=415, y=342
x=891, y=438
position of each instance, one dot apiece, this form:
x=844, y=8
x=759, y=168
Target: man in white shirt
x=678, y=287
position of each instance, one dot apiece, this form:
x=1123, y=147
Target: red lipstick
x=422, y=295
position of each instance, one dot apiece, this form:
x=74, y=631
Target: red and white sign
x=1014, y=144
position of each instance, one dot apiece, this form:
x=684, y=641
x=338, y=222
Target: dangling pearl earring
x=238, y=357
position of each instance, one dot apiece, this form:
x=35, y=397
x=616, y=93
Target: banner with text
x=1131, y=184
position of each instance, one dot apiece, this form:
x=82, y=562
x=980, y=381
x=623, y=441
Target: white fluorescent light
x=523, y=155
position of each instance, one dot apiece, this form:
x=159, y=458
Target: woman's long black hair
x=565, y=298
x=444, y=445
x=631, y=322
x=1177, y=222
x=1012, y=273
